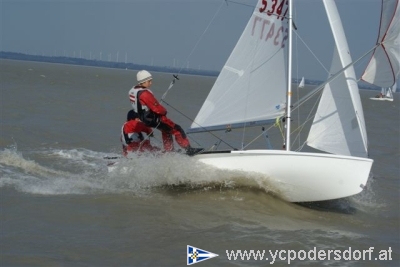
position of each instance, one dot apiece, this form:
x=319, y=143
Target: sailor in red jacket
x=153, y=114
x=132, y=135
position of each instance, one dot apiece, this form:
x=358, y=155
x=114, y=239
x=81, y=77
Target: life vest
x=134, y=94
x=146, y=115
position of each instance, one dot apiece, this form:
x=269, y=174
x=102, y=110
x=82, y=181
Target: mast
x=289, y=81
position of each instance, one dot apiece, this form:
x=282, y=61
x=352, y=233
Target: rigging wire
x=192, y=120
x=199, y=40
x=331, y=78
x=238, y=3
x=180, y=70
x=190, y=54
x=202, y=35
x=277, y=124
x=300, y=127
x=297, y=76
x=312, y=53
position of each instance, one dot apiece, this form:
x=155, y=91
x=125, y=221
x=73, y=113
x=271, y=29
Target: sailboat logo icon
x=195, y=255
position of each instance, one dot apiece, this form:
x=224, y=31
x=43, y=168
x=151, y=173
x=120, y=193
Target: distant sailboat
x=386, y=94
x=302, y=83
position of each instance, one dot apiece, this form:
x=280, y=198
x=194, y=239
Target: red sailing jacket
x=148, y=99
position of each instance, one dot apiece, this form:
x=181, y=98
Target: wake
x=81, y=171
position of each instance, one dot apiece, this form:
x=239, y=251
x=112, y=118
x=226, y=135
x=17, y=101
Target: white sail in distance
x=302, y=83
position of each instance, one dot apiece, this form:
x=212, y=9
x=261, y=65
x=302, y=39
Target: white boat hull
x=381, y=98
x=298, y=176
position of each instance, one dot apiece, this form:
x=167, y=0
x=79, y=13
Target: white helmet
x=143, y=76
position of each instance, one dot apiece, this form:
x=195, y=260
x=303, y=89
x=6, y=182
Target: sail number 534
x=271, y=29
x=274, y=7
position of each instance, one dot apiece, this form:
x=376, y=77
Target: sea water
x=61, y=207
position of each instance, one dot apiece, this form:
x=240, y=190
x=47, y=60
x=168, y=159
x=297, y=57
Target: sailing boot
x=191, y=151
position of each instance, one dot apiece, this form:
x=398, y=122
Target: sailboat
x=302, y=83
x=254, y=89
x=386, y=94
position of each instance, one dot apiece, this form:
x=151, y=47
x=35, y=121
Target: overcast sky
x=194, y=33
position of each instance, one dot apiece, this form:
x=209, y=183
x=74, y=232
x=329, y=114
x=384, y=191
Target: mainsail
x=257, y=61
x=383, y=69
